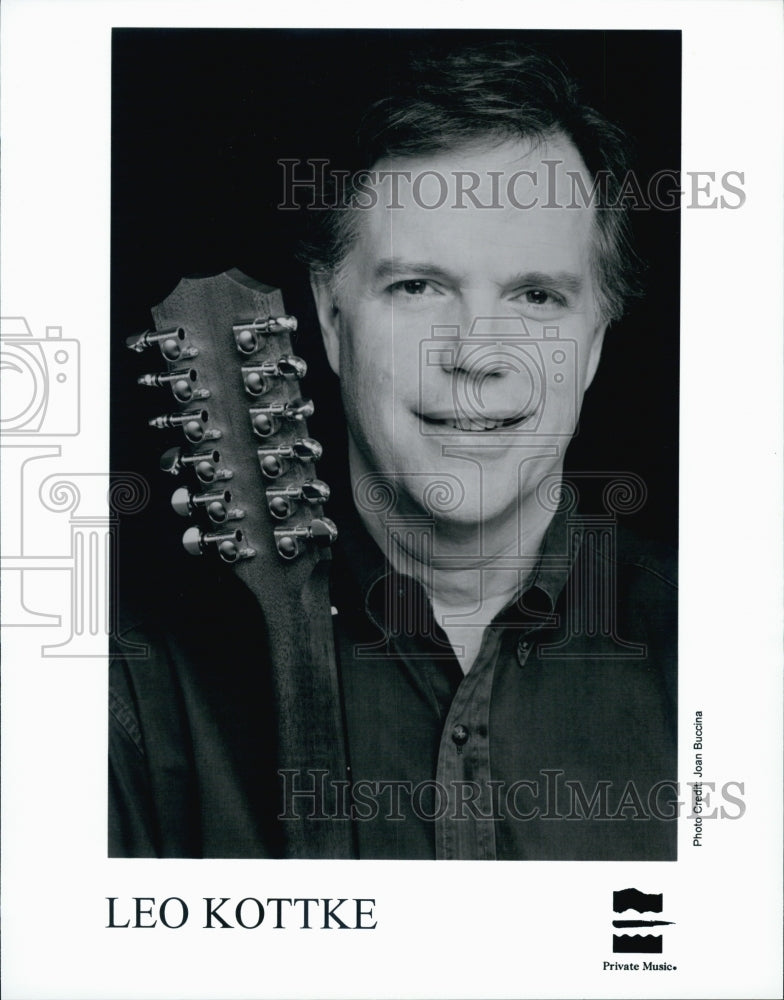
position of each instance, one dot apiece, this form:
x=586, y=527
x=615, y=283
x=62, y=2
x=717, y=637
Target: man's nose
x=480, y=345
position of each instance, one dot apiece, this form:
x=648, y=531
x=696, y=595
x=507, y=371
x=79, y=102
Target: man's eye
x=414, y=286
x=539, y=297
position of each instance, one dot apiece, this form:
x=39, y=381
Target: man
x=506, y=665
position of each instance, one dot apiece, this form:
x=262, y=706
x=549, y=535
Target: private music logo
x=642, y=902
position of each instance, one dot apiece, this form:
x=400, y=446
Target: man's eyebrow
x=564, y=281
x=391, y=267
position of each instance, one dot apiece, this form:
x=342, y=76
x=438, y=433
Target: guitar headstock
x=222, y=363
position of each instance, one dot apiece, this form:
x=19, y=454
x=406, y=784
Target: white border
x=443, y=930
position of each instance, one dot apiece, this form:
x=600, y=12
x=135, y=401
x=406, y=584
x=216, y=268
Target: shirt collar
x=559, y=549
x=359, y=565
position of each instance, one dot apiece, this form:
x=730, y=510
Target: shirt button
x=460, y=736
x=523, y=649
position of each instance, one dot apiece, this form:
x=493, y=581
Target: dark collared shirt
x=558, y=744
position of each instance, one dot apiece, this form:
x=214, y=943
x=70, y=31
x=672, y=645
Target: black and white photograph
x=466, y=639
x=390, y=429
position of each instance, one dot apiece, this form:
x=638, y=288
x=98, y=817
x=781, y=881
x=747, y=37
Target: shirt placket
x=465, y=829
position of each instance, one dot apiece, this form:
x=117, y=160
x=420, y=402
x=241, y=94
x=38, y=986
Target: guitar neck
x=247, y=478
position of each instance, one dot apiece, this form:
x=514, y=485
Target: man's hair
x=497, y=91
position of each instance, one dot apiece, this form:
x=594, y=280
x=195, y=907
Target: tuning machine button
x=173, y=343
x=248, y=336
x=290, y=541
x=280, y=498
x=266, y=420
x=204, y=464
x=192, y=422
x=215, y=503
x=257, y=377
x=228, y=543
x=275, y=461
x=180, y=382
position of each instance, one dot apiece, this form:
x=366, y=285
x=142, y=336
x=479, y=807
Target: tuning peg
x=275, y=461
x=230, y=549
x=279, y=499
x=265, y=420
x=214, y=503
x=205, y=464
x=171, y=343
x=180, y=382
x=290, y=541
x=248, y=335
x=192, y=423
x=257, y=377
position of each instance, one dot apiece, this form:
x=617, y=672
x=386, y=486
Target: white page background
x=462, y=929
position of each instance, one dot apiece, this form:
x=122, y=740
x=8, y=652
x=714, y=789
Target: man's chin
x=471, y=515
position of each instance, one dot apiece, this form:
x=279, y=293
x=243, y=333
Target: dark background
x=199, y=120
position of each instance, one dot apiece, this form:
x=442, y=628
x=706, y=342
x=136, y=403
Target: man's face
x=465, y=337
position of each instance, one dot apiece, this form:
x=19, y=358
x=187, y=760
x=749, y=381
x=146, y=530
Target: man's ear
x=595, y=352
x=329, y=319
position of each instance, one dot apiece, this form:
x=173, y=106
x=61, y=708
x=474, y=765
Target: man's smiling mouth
x=472, y=424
